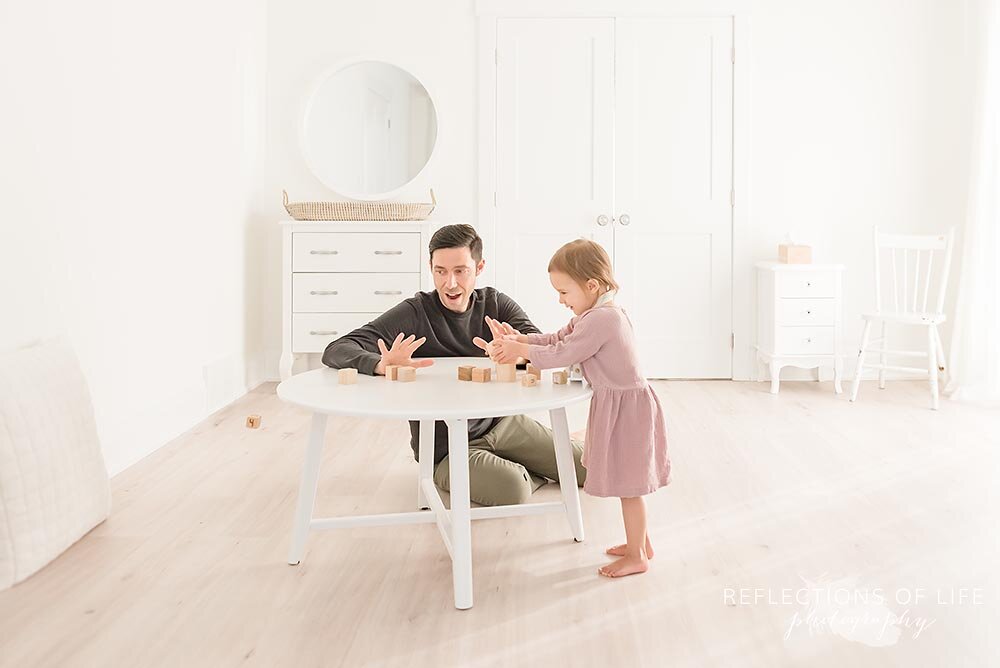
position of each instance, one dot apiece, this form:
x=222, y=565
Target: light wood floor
x=190, y=568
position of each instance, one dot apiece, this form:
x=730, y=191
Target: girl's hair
x=583, y=260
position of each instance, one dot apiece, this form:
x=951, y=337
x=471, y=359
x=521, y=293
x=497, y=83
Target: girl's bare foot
x=625, y=566
x=619, y=550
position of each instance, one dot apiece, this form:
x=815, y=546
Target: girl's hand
x=508, y=350
x=499, y=330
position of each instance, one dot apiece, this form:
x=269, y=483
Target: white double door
x=621, y=130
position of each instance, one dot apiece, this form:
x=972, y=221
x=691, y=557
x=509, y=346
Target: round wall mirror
x=369, y=129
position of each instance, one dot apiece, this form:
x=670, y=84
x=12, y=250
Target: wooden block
x=465, y=372
x=406, y=374
x=534, y=371
x=793, y=254
x=390, y=371
x=253, y=421
x=507, y=373
x=481, y=374
x=529, y=380
x=347, y=376
x=560, y=377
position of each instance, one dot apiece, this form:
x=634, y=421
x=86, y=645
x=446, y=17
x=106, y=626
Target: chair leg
x=932, y=365
x=883, y=358
x=941, y=360
x=861, y=360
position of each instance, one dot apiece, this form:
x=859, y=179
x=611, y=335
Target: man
x=509, y=457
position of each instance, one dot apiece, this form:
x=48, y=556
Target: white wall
x=129, y=144
x=858, y=115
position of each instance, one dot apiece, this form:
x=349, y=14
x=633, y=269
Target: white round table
x=436, y=394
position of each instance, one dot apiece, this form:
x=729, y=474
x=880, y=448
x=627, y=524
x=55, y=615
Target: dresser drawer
x=806, y=311
x=804, y=340
x=806, y=284
x=311, y=332
x=356, y=251
x=360, y=293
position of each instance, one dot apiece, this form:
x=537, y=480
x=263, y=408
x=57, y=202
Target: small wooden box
x=465, y=372
x=560, y=377
x=529, y=380
x=507, y=373
x=406, y=374
x=481, y=374
x=347, y=376
x=391, y=372
x=532, y=370
x=793, y=254
x=253, y=421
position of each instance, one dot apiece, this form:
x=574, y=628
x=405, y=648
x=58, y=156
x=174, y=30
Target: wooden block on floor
x=406, y=374
x=507, y=373
x=529, y=380
x=390, y=371
x=347, y=376
x=253, y=421
x=481, y=374
x=560, y=377
x=534, y=371
x=465, y=372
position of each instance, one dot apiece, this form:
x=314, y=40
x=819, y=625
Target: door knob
x=602, y=220
x=624, y=219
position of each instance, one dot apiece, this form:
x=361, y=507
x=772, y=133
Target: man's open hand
x=401, y=353
x=498, y=330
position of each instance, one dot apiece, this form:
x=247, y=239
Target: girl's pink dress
x=625, y=451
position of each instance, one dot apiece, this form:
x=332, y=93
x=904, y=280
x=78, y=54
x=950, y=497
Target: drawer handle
x=324, y=252
x=388, y=252
x=809, y=312
x=388, y=292
x=322, y=332
x=809, y=340
x=808, y=284
x=323, y=292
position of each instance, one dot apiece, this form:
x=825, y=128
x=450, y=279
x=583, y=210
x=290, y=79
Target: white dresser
x=338, y=276
x=799, y=317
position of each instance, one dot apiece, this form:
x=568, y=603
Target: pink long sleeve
x=575, y=343
x=549, y=339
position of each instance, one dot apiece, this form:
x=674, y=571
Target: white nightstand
x=337, y=276
x=799, y=317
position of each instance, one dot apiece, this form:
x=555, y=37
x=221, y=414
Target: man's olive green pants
x=510, y=462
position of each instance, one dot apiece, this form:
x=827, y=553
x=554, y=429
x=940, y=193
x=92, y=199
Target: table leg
x=307, y=487
x=775, y=375
x=567, y=472
x=426, y=460
x=461, y=516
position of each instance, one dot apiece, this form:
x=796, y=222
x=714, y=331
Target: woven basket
x=358, y=210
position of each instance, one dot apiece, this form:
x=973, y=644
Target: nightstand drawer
x=798, y=312
x=806, y=284
x=804, y=340
x=311, y=332
x=356, y=252
x=359, y=293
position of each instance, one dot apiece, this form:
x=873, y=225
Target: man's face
x=455, y=275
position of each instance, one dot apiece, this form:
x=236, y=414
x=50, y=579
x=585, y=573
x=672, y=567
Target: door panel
x=673, y=179
x=554, y=151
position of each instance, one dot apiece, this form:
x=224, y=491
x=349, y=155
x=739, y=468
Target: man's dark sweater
x=449, y=334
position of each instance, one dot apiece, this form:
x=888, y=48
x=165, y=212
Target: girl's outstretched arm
x=589, y=332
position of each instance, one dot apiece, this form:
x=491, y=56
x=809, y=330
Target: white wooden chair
x=909, y=297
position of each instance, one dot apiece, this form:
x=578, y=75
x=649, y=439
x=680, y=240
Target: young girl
x=625, y=450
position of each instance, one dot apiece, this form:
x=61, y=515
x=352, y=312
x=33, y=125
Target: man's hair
x=457, y=236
